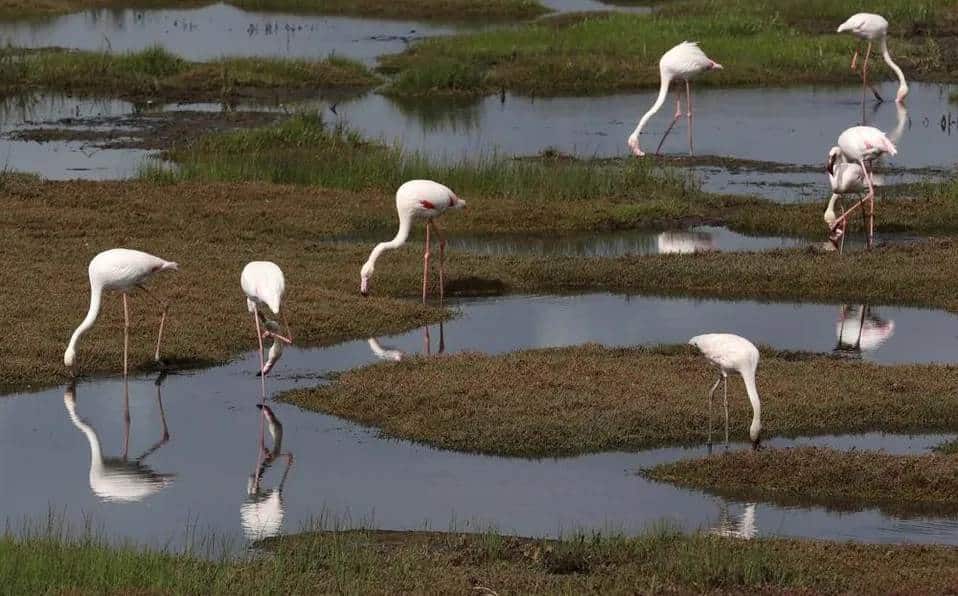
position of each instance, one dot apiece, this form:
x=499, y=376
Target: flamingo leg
x=126, y=417
x=259, y=338
x=126, y=334
x=688, y=104
x=442, y=261
x=711, y=393
x=426, y=341
x=870, y=197
x=725, y=391
x=164, y=306
x=675, y=118
x=425, y=263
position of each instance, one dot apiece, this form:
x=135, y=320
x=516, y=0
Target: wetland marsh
x=545, y=429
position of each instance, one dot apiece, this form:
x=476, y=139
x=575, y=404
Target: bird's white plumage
x=384, y=352
x=865, y=143
x=683, y=242
x=685, y=61
x=859, y=329
x=264, y=285
x=865, y=25
x=728, y=351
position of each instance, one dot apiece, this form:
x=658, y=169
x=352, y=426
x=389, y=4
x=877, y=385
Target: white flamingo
x=123, y=270
x=683, y=243
x=860, y=330
x=387, y=353
x=119, y=479
x=872, y=28
x=684, y=62
x=416, y=199
x=861, y=145
x=264, y=285
x=733, y=353
x=844, y=178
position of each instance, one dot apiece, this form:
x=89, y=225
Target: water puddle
x=218, y=30
x=194, y=461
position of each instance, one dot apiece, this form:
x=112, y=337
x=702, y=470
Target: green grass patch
x=903, y=484
x=371, y=562
x=157, y=73
x=759, y=43
x=569, y=401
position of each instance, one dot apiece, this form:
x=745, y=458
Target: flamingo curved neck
x=749, y=377
x=96, y=293
x=663, y=92
x=902, y=84
x=830, y=210
x=96, y=453
x=405, y=223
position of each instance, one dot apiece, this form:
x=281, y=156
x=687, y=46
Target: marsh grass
x=760, y=44
x=568, y=401
x=383, y=562
x=157, y=73
x=902, y=484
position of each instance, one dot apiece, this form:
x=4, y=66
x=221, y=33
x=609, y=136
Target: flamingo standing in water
x=123, y=270
x=416, y=199
x=264, y=285
x=732, y=353
x=685, y=61
x=861, y=145
x=844, y=178
x=873, y=27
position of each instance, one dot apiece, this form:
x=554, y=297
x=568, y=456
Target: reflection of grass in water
x=442, y=10
x=568, y=401
x=369, y=561
x=902, y=484
x=759, y=44
x=155, y=72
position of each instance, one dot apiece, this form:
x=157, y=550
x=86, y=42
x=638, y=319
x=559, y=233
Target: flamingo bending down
x=873, y=27
x=861, y=145
x=685, y=61
x=264, y=285
x=123, y=270
x=262, y=514
x=416, y=199
x=844, y=178
x=732, y=353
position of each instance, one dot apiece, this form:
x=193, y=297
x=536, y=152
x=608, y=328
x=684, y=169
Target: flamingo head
x=633, y=144
x=755, y=434
x=902, y=93
x=834, y=154
x=275, y=352
x=714, y=65
x=455, y=202
x=69, y=357
x=364, y=275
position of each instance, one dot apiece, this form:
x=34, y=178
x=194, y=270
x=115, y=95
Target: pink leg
x=442, y=262
x=675, y=118
x=126, y=334
x=259, y=338
x=688, y=104
x=865, y=78
x=289, y=336
x=425, y=263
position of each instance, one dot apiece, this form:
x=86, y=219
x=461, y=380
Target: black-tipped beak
x=260, y=406
x=364, y=294
x=756, y=444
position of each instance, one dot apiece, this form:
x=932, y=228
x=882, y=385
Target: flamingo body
x=264, y=285
x=734, y=354
x=118, y=269
x=865, y=144
x=685, y=62
x=415, y=199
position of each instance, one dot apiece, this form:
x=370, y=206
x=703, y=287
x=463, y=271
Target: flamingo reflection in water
x=262, y=513
x=859, y=329
x=393, y=354
x=684, y=242
x=121, y=479
x=744, y=527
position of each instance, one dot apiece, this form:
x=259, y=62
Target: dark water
x=199, y=480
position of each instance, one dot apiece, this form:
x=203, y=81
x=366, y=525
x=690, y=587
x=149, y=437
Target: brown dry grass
x=909, y=484
x=583, y=399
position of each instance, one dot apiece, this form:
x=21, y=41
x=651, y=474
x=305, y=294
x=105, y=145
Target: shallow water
x=199, y=480
x=220, y=30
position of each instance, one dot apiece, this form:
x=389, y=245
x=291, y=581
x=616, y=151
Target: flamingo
x=873, y=27
x=264, y=285
x=262, y=514
x=844, y=178
x=733, y=353
x=416, y=199
x=119, y=479
x=387, y=353
x=860, y=330
x=861, y=145
x=685, y=61
x=123, y=270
